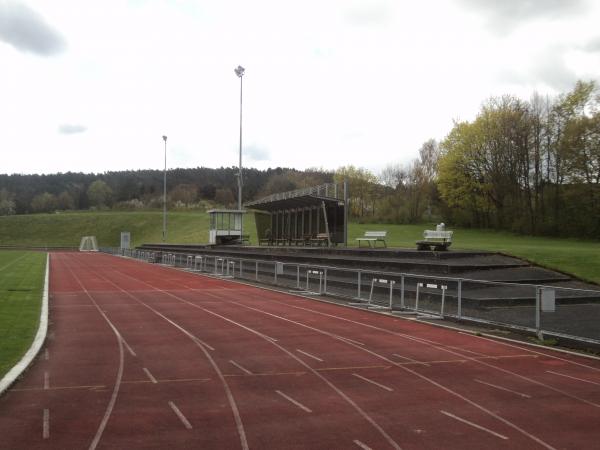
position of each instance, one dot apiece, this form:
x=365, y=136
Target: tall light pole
x=239, y=71
x=164, y=234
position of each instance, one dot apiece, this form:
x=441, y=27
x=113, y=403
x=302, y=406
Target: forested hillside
x=527, y=166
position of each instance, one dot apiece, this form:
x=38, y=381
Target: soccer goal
x=88, y=244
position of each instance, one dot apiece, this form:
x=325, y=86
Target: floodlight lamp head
x=165, y=138
x=239, y=71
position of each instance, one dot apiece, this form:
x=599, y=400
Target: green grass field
x=577, y=257
x=21, y=285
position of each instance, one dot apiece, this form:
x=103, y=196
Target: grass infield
x=21, y=286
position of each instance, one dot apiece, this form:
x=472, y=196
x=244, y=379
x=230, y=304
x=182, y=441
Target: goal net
x=88, y=244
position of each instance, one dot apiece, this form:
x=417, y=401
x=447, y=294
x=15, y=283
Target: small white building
x=226, y=226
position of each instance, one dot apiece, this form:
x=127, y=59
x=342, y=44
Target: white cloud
x=328, y=82
x=27, y=31
x=71, y=129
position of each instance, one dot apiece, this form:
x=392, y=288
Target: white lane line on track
x=387, y=388
x=46, y=424
x=411, y=360
x=348, y=340
x=445, y=348
x=117, y=386
x=150, y=375
x=179, y=414
x=357, y=408
x=417, y=374
x=129, y=349
x=46, y=355
x=520, y=394
x=203, y=343
x=361, y=445
x=291, y=400
x=316, y=358
x=572, y=377
x=243, y=369
x=46, y=380
x=474, y=425
x=237, y=417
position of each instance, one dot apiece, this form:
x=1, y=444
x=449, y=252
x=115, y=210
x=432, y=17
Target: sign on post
x=548, y=300
x=125, y=239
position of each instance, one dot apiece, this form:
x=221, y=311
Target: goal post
x=88, y=244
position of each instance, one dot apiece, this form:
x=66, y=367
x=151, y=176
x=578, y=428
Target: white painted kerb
x=38, y=341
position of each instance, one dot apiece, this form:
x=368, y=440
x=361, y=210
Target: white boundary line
x=297, y=403
x=179, y=414
x=572, y=377
x=149, y=375
x=38, y=341
x=316, y=358
x=520, y=394
x=243, y=369
x=361, y=445
x=474, y=425
x=387, y=388
x=46, y=424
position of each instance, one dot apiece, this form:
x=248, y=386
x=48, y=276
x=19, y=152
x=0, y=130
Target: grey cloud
x=256, y=153
x=593, y=45
x=71, y=129
x=27, y=31
x=505, y=15
x=548, y=67
x=373, y=13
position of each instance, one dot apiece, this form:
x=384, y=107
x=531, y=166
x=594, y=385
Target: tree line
x=142, y=189
x=527, y=166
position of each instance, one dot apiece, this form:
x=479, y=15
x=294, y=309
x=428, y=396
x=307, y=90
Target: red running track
x=141, y=356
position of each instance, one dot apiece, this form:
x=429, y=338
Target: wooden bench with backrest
x=439, y=240
x=373, y=237
x=319, y=239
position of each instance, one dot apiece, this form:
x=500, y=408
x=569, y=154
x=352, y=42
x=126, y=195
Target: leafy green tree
x=45, y=202
x=99, y=194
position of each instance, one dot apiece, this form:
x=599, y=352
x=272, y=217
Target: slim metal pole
x=240, y=173
x=164, y=233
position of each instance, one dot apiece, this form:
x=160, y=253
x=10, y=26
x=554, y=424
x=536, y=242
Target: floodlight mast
x=164, y=233
x=239, y=71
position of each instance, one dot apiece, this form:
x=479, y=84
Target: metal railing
x=541, y=309
x=327, y=190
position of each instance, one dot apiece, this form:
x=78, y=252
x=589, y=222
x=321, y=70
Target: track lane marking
x=357, y=408
x=129, y=349
x=46, y=381
x=243, y=369
x=295, y=402
x=387, y=388
x=445, y=348
x=520, y=394
x=361, y=445
x=117, y=386
x=309, y=355
x=417, y=374
x=179, y=414
x=572, y=377
x=201, y=345
x=150, y=375
x=46, y=355
x=474, y=425
x=46, y=424
x=412, y=361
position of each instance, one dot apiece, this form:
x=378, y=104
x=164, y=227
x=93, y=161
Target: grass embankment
x=577, y=257
x=21, y=285
x=66, y=229
x=580, y=258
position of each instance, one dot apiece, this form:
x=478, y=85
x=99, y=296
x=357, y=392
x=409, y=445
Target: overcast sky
x=93, y=85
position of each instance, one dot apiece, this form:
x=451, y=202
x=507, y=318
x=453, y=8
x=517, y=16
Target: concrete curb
x=38, y=341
